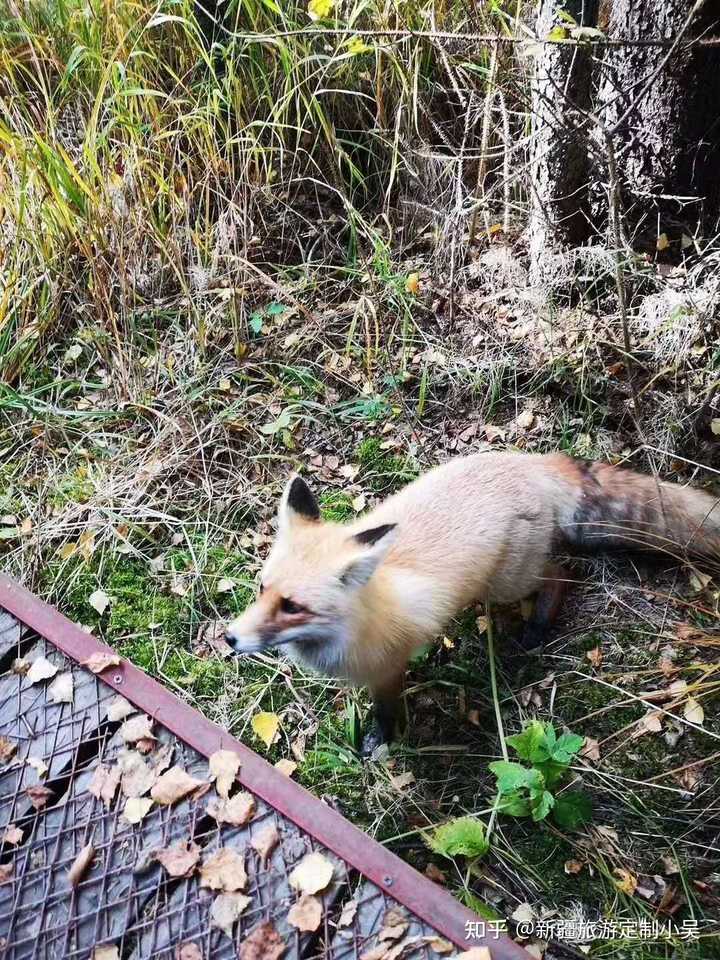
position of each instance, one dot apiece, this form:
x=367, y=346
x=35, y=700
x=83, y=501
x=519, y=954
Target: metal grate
x=126, y=898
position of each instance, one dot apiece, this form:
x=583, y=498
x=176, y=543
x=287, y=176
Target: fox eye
x=289, y=606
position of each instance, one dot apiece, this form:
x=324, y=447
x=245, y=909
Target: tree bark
x=561, y=84
x=668, y=144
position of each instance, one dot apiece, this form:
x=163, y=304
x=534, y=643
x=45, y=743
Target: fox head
x=310, y=584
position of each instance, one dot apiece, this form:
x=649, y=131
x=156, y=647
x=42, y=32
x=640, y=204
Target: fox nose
x=229, y=639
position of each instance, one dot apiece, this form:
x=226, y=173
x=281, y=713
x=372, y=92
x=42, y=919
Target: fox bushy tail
x=620, y=508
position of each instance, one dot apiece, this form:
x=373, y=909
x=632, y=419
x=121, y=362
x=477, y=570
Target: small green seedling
x=528, y=790
x=462, y=837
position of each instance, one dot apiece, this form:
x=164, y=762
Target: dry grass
x=205, y=262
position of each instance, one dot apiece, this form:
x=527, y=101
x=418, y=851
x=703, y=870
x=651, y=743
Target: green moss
x=74, y=488
x=337, y=507
x=383, y=472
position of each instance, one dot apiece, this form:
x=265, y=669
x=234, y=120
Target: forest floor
x=154, y=479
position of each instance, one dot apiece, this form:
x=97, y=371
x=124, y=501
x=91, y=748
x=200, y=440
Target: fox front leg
x=547, y=606
x=386, y=714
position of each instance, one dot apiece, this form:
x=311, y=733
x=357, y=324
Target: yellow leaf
x=715, y=426
x=67, y=550
x=662, y=242
x=694, y=712
x=266, y=727
x=412, y=284
x=357, y=45
x=625, y=882
x=320, y=9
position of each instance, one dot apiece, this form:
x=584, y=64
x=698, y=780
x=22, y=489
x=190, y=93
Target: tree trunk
x=559, y=158
x=668, y=144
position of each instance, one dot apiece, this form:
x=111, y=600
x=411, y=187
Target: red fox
x=355, y=601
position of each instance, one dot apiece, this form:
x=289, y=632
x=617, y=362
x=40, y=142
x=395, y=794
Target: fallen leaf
x=38, y=765
x=286, y=767
x=41, y=669
x=265, y=841
x=86, y=544
x=181, y=859
x=13, y=835
x=61, y=690
x=688, y=779
x=626, y=882
x=266, y=726
x=101, y=661
x=312, y=874
x=526, y=419
x=67, y=550
x=224, y=585
x=523, y=913
x=435, y=874
x=650, y=723
x=162, y=757
x=237, y=811
x=223, y=766
x=595, y=656
x=359, y=503
x=173, y=785
x=403, y=780
x=136, y=809
x=306, y=914
x=20, y=666
x=394, y=925
x=7, y=749
x=348, y=913
x=136, y=728
x=99, y=601
x=226, y=909
x=412, y=284
x=38, y=795
x=119, y=708
x=80, y=864
x=670, y=866
x=137, y=776
x=591, y=750
x=262, y=943
x=573, y=866
x=715, y=426
x=224, y=870
x=662, y=242
x=694, y=712
x=104, y=783
x=6, y=871
x=107, y=952
x=438, y=945
x=188, y=951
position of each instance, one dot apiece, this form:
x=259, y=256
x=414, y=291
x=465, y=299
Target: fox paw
x=533, y=637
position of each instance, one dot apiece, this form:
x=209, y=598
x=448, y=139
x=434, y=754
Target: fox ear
x=298, y=500
x=380, y=539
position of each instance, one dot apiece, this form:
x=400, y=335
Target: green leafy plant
x=462, y=837
x=529, y=789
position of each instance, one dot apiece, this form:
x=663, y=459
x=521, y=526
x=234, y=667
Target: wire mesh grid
x=126, y=898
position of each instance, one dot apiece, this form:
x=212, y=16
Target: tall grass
x=149, y=154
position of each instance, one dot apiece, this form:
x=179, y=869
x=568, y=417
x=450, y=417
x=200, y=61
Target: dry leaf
x=523, y=913
x=306, y=914
x=438, y=945
x=104, y=783
x=107, y=952
x=181, y=859
x=99, y=601
x=225, y=585
x=573, y=866
x=38, y=795
x=224, y=870
x=435, y=874
x=662, y=242
x=694, y=712
x=526, y=419
x=226, y=909
x=6, y=871
x=137, y=776
x=173, y=785
x=80, y=864
x=7, y=749
x=348, y=913
x=626, y=882
x=670, y=866
x=20, y=666
x=119, y=708
x=286, y=767
x=61, y=689
x=312, y=874
x=266, y=727
x=412, y=284
x=650, y=723
x=38, y=765
x=595, y=656
x=265, y=842
x=101, y=661
x=41, y=669
x=262, y=943
x=136, y=809
x=395, y=924
x=223, y=766
x=591, y=750
x=136, y=728
x=188, y=951
x=162, y=758
x=236, y=811
x=13, y=835
x=403, y=780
